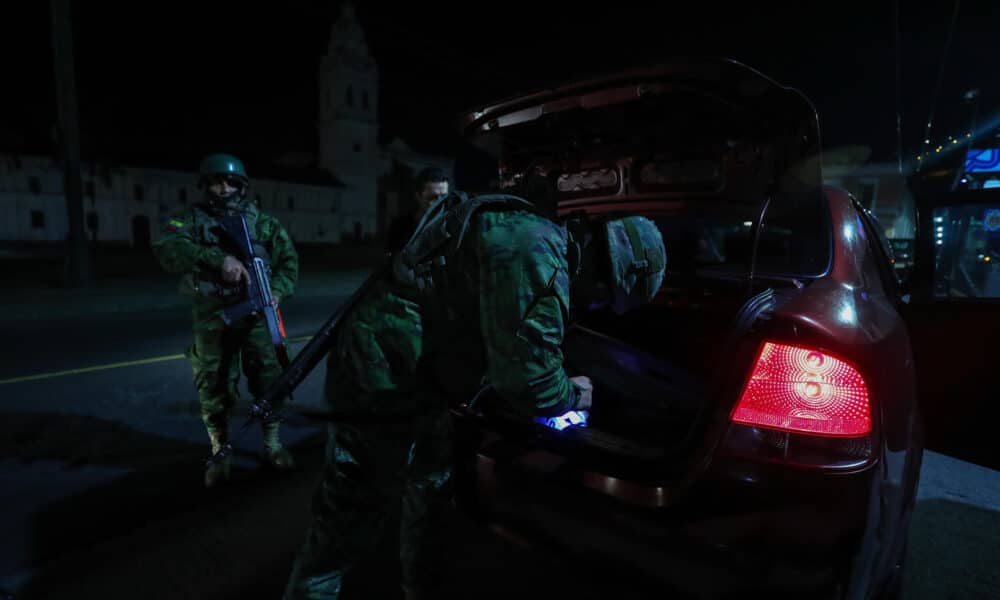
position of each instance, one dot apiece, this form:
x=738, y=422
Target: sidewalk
x=156, y=292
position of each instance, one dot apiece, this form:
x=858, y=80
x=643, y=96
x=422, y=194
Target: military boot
x=217, y=471
x=274, y=453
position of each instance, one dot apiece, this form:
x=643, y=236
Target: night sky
x=159, y=84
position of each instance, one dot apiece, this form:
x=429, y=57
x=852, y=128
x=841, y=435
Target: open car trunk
x=726, y=162
x=652, y=368
x=697, y=128
x=656, y=375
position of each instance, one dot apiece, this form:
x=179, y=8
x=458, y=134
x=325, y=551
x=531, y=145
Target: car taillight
x=801, y=390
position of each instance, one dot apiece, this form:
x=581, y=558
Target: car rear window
x=797, y=237
x=795, y=240
x=716, y=240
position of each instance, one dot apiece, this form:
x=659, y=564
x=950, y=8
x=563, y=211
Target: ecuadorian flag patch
x=174, y=224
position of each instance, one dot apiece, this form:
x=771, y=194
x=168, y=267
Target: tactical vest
x=207, y=282
x=430, y=275
x=422, y=265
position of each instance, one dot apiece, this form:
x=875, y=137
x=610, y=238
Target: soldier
x=482, y=289
x=431, y=185
x=190, y=245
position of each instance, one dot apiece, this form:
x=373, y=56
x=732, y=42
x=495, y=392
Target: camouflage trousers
x=217, y=355
x=373, y=471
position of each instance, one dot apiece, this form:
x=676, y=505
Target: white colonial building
x=346, y=194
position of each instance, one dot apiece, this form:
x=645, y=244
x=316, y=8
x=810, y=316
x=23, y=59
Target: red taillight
x=802, y=390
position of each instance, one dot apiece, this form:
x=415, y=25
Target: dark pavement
x=102, y=457
x=100, y=484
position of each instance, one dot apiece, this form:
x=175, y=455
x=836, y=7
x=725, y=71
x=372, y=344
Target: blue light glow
x=982, y=161
x=574, y=418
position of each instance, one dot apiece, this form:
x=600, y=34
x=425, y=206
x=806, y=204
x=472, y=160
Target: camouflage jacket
x=189, y=245
x=497, y=314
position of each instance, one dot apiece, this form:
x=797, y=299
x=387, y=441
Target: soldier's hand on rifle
x=586, y=389
x=233, y=270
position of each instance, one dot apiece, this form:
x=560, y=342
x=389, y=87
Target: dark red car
x=755, y=428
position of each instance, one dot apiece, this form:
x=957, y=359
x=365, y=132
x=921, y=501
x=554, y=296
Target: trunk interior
x=652, y=369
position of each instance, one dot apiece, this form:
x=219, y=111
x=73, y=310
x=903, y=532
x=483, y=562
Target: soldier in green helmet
x=480, y=293
x=190, y=245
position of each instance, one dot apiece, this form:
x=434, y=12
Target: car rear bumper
x=740, y=527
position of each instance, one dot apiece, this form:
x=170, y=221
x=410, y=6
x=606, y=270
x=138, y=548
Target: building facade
x=349, y=194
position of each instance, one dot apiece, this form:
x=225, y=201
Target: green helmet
x=223, y=164
x=638, y=262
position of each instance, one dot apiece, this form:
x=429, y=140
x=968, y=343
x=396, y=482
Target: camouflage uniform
x=496, y=308
x=189, y=245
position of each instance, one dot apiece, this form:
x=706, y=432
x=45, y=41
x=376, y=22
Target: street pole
x=77, y=260
x=972, y=96
x=972, y=128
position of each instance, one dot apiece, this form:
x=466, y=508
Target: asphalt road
x=101, y=453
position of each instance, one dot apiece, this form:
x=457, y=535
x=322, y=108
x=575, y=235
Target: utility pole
x=925, y=149
x=970, y=97
x=77, y=263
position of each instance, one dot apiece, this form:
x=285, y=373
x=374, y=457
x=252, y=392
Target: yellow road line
x=117, y=365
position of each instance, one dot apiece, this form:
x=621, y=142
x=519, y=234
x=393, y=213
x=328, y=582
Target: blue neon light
x=574, y=418
x=982, y=161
